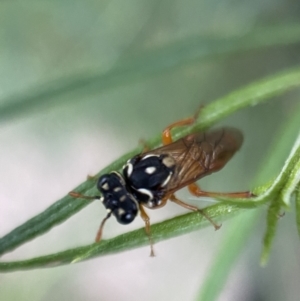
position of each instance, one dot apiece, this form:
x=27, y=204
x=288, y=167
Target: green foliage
x=276, y=194
x=126, y=69
x=297, y=196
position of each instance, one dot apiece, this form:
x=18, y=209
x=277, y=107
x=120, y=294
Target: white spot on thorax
x=146, y=192
x=168, y=161
x=150, y=170
x=149, y=155
x=166, y=181
x=129, y=169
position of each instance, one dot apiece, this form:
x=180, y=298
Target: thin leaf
x=292, y=181
x=61, y=210
x=240, y=230
x=285, y=183
x=148, y=64
x=160, y=231
x=272, y=221
x=234, y=241
x=285, y=190
x=297, y=198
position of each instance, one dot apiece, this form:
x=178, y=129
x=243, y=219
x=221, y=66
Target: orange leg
x=166, y=135
x=146, y=219
x=195, y=190
x=92, y=178
x=99, y=233
x=174, y=199
x=145, y=145
x=77, y=195
x=81, y=196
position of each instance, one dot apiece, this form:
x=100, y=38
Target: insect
x=152, y=177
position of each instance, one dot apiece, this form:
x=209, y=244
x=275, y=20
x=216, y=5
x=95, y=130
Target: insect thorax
x=148, y=177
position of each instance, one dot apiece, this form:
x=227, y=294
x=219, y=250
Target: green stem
x=252, y=94
x=173, y=227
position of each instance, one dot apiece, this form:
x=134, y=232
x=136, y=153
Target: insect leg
x=92, y=178
x=143, y=143
x=166, y=135
x=146, y=219
x=77, y=195
x=99, y=233
x=195, y=190
x=174, y=199
x=81, y=196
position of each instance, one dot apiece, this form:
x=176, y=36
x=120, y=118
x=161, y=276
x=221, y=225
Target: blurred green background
x=82, y=81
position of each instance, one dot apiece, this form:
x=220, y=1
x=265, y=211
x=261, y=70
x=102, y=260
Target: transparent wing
x=199, y=154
